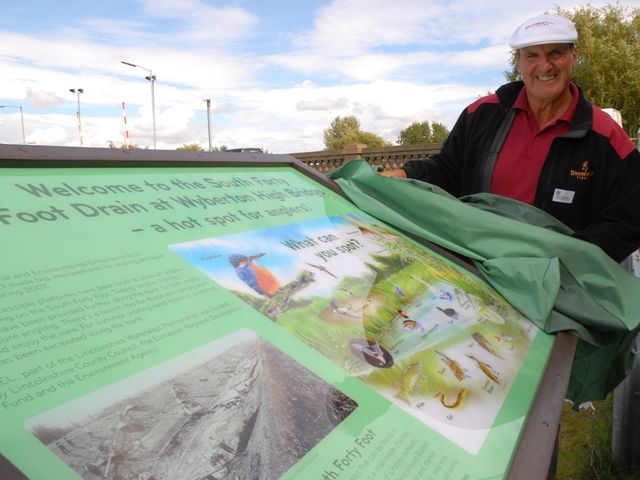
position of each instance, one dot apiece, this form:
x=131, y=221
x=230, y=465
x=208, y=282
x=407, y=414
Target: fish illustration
x=486, y=369
x=453, y=366
x=456, y=403
x=503, y=337
x=484, y=343
x=407, y=381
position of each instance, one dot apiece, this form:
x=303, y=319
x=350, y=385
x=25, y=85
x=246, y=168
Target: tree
x=439, y=132
x=368, y=138
x=191, y=147
x=422, y=132
x=346, y=130
x=608, y=59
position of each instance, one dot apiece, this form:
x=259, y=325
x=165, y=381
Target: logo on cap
x=539, y=24
x=544, y=29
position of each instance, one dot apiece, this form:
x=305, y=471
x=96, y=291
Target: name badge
x=563, y=196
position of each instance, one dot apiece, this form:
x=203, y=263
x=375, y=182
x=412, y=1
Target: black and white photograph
x=237, y=408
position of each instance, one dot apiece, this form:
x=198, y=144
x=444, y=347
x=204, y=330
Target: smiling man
x=540, y=141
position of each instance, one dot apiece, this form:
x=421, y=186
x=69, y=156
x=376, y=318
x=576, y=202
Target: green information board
x=193, y=319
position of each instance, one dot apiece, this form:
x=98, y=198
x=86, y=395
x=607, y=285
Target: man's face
x=546, y=70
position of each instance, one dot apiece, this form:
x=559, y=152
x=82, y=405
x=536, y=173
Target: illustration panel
x=419, y=330
x=235, y=408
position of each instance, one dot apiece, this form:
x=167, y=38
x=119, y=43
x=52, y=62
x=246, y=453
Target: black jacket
x=595, y=159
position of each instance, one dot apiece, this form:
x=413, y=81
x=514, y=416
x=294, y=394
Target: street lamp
x=152, y=78
x=24, y=141
x=78, y=91
x=208, y=102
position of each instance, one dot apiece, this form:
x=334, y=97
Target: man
x=541, y=142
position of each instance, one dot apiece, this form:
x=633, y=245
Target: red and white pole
x=79, y=127
x=125, y=144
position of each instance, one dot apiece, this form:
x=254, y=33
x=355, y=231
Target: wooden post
x=625, y=433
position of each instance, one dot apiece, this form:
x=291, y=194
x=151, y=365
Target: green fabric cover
x=557, y=281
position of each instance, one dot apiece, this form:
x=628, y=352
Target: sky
x=276, y=72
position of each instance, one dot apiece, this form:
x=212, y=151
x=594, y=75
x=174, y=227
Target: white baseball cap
x=544, y=29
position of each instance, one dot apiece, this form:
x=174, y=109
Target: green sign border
x=534, y=454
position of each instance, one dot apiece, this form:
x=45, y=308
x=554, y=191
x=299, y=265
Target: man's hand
x=396, y=172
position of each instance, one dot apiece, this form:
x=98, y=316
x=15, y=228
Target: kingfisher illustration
x=258, y=278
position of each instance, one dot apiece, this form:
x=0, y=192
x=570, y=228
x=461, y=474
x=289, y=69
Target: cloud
x=383, y=107
x=322, y=104
x=193, y=67
x=382, y=89
x=52, y=135
x=388, y=63
x=42, y=99
x=198, y=21
x=116, y=31
x=355, y=26
x=365, y=66
x=374, y=39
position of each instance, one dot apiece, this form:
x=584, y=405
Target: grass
x=585, y=445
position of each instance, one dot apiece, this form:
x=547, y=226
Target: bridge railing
x=383, y=158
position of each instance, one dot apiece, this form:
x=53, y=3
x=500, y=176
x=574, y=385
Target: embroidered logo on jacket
x=583, y=173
